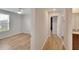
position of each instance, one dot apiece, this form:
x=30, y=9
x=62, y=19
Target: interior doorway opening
x=53, y=24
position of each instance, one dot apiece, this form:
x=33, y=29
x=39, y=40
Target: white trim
x=11, y=35
x=45, y=40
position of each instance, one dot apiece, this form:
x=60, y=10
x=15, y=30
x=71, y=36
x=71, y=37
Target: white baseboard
x=11, y=35
x=45, y=40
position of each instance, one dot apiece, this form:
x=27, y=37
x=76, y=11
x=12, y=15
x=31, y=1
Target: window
x=4, y=22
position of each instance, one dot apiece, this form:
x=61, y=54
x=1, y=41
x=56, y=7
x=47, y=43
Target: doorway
x=53, y=24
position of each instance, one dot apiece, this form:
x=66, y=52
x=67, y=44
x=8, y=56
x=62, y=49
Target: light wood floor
x=22, y=42
x=54, y=43
x=17, y=42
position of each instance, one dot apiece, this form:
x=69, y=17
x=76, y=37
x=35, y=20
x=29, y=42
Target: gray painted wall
x=26, y=22
x=15, y=24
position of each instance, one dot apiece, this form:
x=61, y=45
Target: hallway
x=54, y=43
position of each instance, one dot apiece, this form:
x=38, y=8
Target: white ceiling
x=57, y=9
x=28, y=10
x=75, y=10
x=15, y=10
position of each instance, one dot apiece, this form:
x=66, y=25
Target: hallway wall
x=55, y=25
x=68, y=28
x=40, y=28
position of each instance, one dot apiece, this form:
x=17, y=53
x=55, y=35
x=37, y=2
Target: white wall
x=15, y=24
x=40, y=28
x=68, y=28
x=75, y=17
x=60, y=25
x=26, y=22
x=55, y=26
